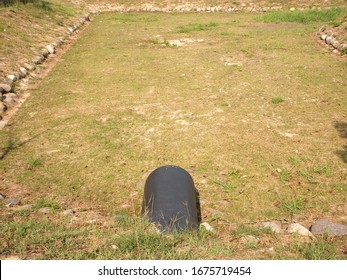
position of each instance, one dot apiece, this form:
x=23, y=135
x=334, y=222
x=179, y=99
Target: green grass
x=306, y=16
x=319, y=249
x=196, y=27
x=117, y=106
x=277, y=99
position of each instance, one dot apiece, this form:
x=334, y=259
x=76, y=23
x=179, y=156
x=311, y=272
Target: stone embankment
x=329, y=38
x=8, y=94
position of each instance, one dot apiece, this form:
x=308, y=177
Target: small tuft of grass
x=34, y=162
x=196, y=27
x=293, y=206
x=308, y=16
x=319, y=249
x=277, y=99
x=42, y=203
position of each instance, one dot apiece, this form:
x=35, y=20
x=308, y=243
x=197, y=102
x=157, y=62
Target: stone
x=292, y=9
x=207, y=227
x=12, y=77
x=23, y=71
x=299, y=229
x=343, y=47
x=29, y=67
x=336, y=45
x=2, y=196
x=45, y=210
x=274, y=226
x=329, y=40
x=327, y=227
x=3, y=107
x=71, y=30
x=44, y=53
x=323, y=37
x=5, y=88
x=9, y=98
x=50, y=48
x=18, y=75
x=59, y=42
x=38, y=60
x=68, y=212
x=12, y=201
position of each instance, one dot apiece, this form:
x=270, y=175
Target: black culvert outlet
x=171, y=200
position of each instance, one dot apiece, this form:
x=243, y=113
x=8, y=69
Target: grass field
x=255, y=111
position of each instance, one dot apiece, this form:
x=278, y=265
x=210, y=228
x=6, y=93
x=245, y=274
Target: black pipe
x=170, y=199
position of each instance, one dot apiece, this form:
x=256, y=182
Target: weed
x=277, y=99
x=344, y=52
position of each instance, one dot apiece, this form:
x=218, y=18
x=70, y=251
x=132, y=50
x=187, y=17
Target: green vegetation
x=196, y=27
x=306, y=16
x=120, y=103
x=277, y=99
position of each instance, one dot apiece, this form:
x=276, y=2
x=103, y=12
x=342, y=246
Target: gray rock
x=45, y=210
x=323, y=37
x=23, y=71
x=50, y=48
x=29, y=67
x=343, y=47
x=12, y=77
x=336, y=45
x=18, y=75
x=299, y=229
x=9, y=98
x=71, y=30
x=59, y=42
x=327, y=227
x=44, y=53
x=274, y=226
x=68, y=212
x=5, y=88
x=207, y=227
x=38, y=59
x=3, y=107
x=12, y=201
x=328, y=39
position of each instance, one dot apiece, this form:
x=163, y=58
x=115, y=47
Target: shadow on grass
x=341, y=127
x=11, y=146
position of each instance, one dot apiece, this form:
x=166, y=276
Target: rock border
x=8, y=94
x=330, y=40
